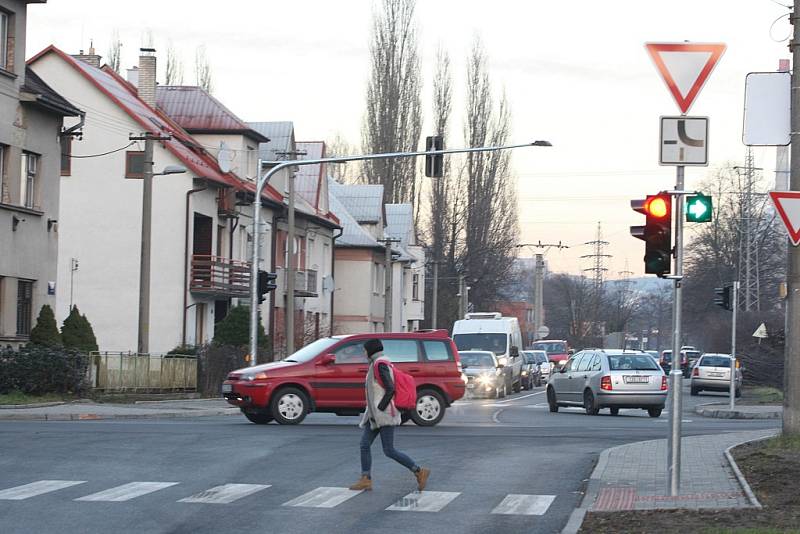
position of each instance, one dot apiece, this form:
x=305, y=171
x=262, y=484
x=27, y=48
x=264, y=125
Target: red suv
x=328, y=376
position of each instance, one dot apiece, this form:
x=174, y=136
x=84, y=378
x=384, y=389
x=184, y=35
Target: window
x=415, y=287
x=376, y=278
x=497, y=343
x=66, y=155
x=134, y=164
x=585, y=362
x=597, y=364
x=437, y=351
x=24, y=307
x=5, y=60
x=400, y=350
x=5, y=194
x=352, y=353
x=634, y=362
x=28, y=183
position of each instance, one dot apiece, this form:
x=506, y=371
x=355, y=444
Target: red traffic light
x=658, y=206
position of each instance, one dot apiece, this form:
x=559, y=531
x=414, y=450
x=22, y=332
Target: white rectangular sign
x=683, y=141
x=767, y=97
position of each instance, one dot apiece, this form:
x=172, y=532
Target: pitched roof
x=364, y=202
x=198, y=112
x=400, y=225
x=180, y=143
x=46, y=96
x=308, y=179
x=353, y=235
x=281, y=139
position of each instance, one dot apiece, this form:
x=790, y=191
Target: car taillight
x=695, y=372
x=664, y=383
x=605, y=383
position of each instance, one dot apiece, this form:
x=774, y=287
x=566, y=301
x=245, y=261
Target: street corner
x=723, y=411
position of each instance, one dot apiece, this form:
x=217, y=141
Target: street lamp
x=171, y=169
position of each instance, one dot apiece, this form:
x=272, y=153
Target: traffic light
x=266, y=283
x=656, y=233
x=698, y=208
x=434, y=165
x=723, y=298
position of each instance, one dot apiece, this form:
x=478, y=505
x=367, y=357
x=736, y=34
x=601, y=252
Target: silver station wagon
x=609, y=378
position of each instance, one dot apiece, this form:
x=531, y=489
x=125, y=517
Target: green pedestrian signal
x=698, y=208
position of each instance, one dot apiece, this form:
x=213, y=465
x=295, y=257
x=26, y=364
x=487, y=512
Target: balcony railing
x=305, y=283
x=219, y=277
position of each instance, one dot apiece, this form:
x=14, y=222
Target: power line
x=104, y=153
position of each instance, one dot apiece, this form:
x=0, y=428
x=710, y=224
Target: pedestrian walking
x=381, y=417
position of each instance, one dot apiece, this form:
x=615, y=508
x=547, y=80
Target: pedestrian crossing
x=321, y=497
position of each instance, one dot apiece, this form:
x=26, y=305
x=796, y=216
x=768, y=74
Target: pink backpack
x=405, y=389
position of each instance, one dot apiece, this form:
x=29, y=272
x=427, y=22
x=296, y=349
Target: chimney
x=147, y=76
x=91, y=58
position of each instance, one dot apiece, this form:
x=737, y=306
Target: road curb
x=106, y=417
x=720, y=412
x=35, y=405
x=751, y=496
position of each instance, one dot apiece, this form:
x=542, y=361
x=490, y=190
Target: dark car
x=329, y=374
x=666, y=362
x=531, y=370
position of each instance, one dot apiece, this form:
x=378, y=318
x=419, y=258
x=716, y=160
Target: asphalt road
x=486, y=457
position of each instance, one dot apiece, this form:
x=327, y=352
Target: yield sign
x=788, y=205
x=685, y=67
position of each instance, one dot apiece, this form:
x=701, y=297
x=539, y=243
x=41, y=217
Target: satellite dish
x=224, y=157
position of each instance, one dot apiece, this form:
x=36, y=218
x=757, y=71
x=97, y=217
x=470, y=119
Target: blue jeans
x=387, y=441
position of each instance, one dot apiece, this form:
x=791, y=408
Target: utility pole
x=462, y=294
x=290, y=269
x=143, y=337
x=388, y=301
x=791, y=389
x=538, y=281
x=435, y=303
x=732, y=389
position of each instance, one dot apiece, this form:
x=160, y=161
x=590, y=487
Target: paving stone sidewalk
x=141, y=410
x=633, y=476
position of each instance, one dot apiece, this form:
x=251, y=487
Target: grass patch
x=783, y=443
x=763, y=395
x=17, y=397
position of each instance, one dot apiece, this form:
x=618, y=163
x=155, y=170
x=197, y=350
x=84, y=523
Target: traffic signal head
x=434, y=165
x=723, y=297
x=266, y=283
x=656, y=233
x=698, y=208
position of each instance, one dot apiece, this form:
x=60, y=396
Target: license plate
x=716, y=374
x=636, y=379
x=227, y=388
x=470, y=386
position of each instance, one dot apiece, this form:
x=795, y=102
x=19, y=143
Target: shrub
x=77, y=333
x=35, y=370
x=234, y=329
x=214, y=362
x=45, y=333
x=189, y=350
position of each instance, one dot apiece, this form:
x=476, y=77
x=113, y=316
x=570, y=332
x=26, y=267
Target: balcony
x=305, y=283
x=214, y=276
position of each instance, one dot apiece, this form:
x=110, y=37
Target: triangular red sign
x=685, y=67
x=788, y=205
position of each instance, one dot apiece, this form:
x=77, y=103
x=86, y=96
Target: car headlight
x=485, y=380
x=524, y=373
x=253, y=376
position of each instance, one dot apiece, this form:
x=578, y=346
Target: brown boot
x=364, y=484
x=422, y=477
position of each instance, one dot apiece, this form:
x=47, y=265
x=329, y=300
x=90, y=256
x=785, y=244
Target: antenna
x=224, y=157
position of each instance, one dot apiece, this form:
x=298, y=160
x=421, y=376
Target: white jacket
x=372, y=415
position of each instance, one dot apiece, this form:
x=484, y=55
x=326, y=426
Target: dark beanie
x=372, y=346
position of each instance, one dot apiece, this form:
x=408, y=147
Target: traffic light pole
x=676, y=375
x=732, y=390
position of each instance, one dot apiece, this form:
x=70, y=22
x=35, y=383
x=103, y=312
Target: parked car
x=713, y=373
x=692, y=355
x=545, y=366
x=485, y=374
x=666, y=362
x=614, y=379
x=501, y=335
x=328, y=376
x=531, y=372
x=557, y=350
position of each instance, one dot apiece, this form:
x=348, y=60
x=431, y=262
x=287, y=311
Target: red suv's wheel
x=430, y=408
x=259, y=418
x=289, y=406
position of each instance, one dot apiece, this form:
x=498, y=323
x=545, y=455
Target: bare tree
x=203, y=69
x=174, y=68
x=393, y=119
x=346, y=173
x=114, y=51
x=491, y=230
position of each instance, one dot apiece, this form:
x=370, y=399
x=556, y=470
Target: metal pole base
x=675, y=415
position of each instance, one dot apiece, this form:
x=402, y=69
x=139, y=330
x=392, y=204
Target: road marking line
x=424, y=501
x=33, y=489
x=496, y=415
x=516, y=504
x=323, y=497
x=520, y=398
x=126, y=492
x=227, y=493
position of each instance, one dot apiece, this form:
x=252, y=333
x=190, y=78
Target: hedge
x=35, y=370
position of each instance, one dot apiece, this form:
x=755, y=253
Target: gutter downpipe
x=186, y=262
x=333, y=274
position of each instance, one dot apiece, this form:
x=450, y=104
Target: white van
x=491, y=331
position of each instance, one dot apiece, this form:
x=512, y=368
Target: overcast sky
x=576, y=73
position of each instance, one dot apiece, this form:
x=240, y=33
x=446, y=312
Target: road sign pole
x=676, y=375
x=735, y=302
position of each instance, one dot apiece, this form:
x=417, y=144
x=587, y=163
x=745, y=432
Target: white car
x=713, y=373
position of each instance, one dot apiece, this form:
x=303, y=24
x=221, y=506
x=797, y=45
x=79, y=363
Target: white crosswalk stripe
x=225, y=494
x=36, y=488
x=324, y=497
x=424, y=501
x=516, y=504
x=126, y=492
